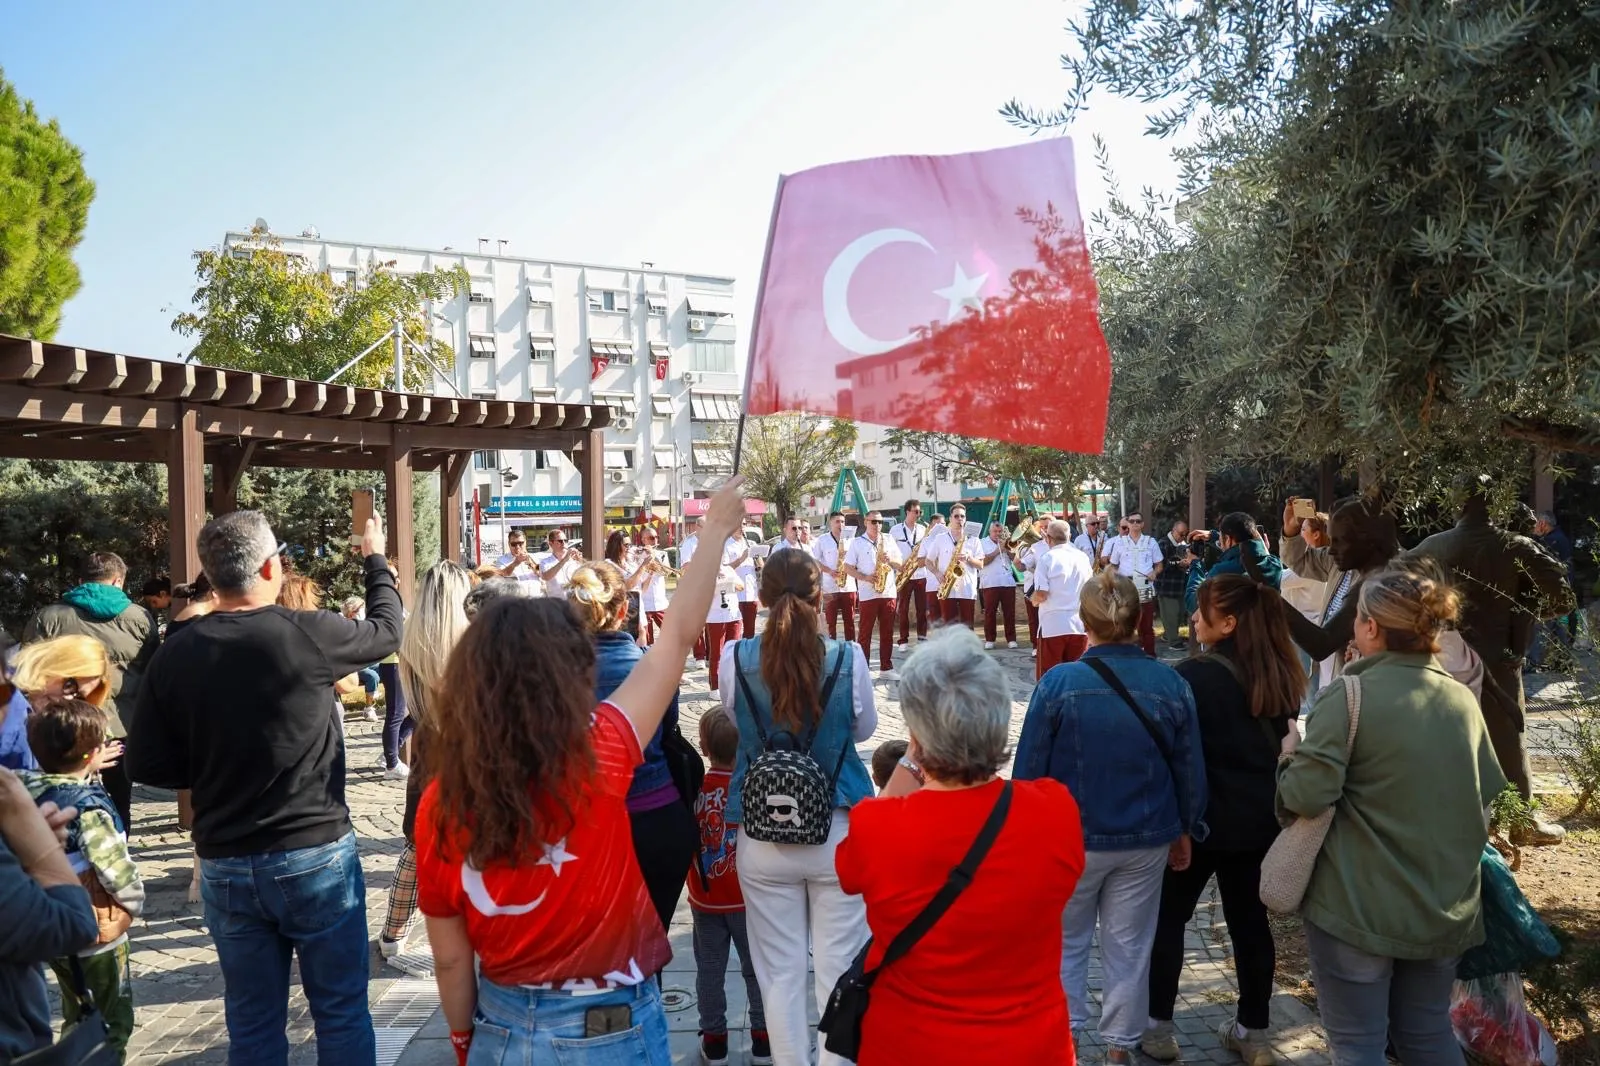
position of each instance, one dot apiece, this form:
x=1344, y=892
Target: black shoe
x=760, y=1048
x=714, y=1049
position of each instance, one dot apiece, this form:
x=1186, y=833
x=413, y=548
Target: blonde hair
x=1411, y=604
x=60, y=658
x=431, y=633
x=1109, y=605
x=597, y=592
x=300, y=593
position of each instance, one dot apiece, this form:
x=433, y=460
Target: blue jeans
x=1368, y=1000
x=263, y=908
x=519, y=1024
x=396, y=725
x=369, y=680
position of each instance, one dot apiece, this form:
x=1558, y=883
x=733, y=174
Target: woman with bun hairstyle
x=664, y=831
x=1394, y=897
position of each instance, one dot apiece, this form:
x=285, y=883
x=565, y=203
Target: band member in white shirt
x=556, y=565
x=1030, y=563
x=838, y=597
x=805, y=536
x=791, y=539
x=997, y=582
x=1059, y=578
x=1092, y=541
x=516, y=562
x=724, y=622
x=749, y=589
x=962, y=602
x=653, y=590
x=686, y=552
x=877, y=608
x=1138, y=558
x=908, y=535
x=937, y=528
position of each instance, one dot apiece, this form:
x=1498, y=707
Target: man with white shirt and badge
x=961, y=599
x=997, y=583
x=909, y=536
x=927, y=583
x=557, y=564
x=1138, y=558
x=1092, y=541
x=653, y=591
x=870, y=554
x=516, y=562
x=838, y=596
x=1058, y=579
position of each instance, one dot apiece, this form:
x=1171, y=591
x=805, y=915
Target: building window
x=480, y=293
x=661, y=406
x=484, y=396
x=543, y=345
x=618, y=353
x=712, y=459
x=541, y=296
x=665, y=460
x=657, y=305
x=897, y=480
x=544, y=395
x=622, y=403
x=712, y=356
x=714, y=406
x=869, y=450
x=619, y=458
x=482, y=345
x=486, y=460
x=544, y=460
x=608, y=300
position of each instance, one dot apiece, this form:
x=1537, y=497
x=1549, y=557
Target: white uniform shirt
x=863, y=555
x=725, y=601
x=829, y=554
x=555, y=586
x=944, y=553
x=1088, y=545
x=998, y=574
x=1030, y=562
x=1061, y=574
x=1109, y=544
x=523, y=572
x=653, y=589
x=936, y=535
x=1135, y=559
x=686, y=549
x=908, y=539
x=746, y=571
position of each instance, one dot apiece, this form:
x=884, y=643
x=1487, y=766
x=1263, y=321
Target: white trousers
x=1120, y=891
x=792, y=901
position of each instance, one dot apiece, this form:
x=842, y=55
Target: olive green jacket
x=1398, y=873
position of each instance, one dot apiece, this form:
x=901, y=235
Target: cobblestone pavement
x=178, y=988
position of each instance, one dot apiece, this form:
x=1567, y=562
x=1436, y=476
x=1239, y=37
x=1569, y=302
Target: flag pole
x=755, y=321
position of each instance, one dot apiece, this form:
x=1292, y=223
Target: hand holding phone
x=1304, y=508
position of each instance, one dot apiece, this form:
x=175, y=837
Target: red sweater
x=985, y=984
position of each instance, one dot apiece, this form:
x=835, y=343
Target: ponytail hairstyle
x=599, y=596
x=1412, y=604
x=1273, y=680
x=791, y=653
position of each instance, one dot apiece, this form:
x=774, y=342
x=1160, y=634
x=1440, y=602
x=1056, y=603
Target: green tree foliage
x=263, y=309
x=44, y=207
x=787, y=457
x=1390, y=244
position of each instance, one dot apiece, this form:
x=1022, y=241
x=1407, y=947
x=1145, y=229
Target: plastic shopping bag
x=1493, y=1025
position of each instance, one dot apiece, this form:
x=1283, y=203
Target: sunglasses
x=1137, y=521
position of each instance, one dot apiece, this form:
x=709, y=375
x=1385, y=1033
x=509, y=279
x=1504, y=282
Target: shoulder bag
x=86, y=1043
x=1286, y=871
x=847, y=1005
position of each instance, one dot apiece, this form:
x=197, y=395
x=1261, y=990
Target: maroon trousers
x=913, y=595
x=1033, y=620
x=878, y=613
x=1147, y=627
x=1053, y=651
x=652, y=625
x=833, y=605
x=1005, y=599
x=964, y=611
x=718, y=634
x=747, y=614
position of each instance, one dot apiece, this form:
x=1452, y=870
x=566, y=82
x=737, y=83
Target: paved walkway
x=178, y=989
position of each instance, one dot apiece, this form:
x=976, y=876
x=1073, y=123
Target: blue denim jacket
x=835, y=734
x=615, y=656
x=1080, y=732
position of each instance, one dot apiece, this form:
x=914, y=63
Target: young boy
x=717, y=903
x=884, y=759
x=66, y=736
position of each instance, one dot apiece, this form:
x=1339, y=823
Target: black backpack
x=787, y=797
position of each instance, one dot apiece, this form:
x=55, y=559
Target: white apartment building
x=657, y=346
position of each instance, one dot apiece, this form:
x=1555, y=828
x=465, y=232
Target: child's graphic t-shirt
x=714, y=877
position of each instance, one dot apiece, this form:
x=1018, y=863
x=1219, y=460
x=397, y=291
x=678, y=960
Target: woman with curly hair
x=524, y=856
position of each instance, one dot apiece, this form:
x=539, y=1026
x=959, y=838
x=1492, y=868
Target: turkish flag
x=943, y=293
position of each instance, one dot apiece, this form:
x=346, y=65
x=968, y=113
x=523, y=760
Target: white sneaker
x=902, y=645
x=988, y=645
x=390, y=948
x=399, y=772
x=1034, y=654
x=890, y=675
x=370, y=714
x=1013, y=644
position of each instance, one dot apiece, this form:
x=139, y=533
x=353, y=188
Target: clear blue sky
x=607, y=133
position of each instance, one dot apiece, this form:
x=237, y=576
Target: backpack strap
x=827, y=694
x=822, y=707
x=955, y=884
x=1238, y=675
x=749, y=697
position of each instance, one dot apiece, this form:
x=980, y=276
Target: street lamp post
x=507, y=479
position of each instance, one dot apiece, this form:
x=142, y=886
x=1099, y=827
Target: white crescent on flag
x=836, y=290
x=483, y=903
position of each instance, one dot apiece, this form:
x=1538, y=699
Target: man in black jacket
x=236, y=706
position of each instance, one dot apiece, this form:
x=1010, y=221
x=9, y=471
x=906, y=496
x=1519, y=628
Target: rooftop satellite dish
x=261, y=224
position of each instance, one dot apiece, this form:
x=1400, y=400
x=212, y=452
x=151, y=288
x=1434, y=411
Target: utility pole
x=399, y=354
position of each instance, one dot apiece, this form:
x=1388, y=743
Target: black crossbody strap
x=954, y=885
x=1110, y=678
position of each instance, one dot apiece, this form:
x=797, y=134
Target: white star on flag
x=962, y=292
x=556, y=854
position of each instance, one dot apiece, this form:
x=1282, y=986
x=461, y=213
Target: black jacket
x=1241, y=754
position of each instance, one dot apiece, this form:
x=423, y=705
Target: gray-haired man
x=235, y=707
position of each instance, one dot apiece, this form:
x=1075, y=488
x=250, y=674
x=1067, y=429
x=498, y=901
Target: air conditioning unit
x=624, y=423
x=618, y=476
x=689, y=377
x=697, y=324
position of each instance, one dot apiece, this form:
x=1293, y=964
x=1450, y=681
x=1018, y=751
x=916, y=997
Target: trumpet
x=656, y=566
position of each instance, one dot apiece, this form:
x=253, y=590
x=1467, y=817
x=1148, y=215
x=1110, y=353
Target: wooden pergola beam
x=186, y=503
x=398, y=513
x=590, y=459
x=451, y=473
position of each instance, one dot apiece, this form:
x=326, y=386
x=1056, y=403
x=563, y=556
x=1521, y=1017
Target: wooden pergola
x=59, y=402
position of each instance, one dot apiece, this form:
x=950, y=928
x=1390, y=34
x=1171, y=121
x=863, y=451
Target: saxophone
x=881, y=573
x=956, y=569
x=839, y=576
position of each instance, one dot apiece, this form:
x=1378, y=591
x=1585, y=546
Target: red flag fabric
x=943, y=293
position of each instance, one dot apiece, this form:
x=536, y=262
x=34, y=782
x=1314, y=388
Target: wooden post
x=399, y=516
x=590, y=459
x=1367, y=476
x=1544, y=484
x=450, y=473
x=1325, y=475
x=1146, y=500
x=226, y=472
x=186, y=495
x=1197, y=487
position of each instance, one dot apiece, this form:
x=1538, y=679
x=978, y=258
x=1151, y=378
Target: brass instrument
x=657, y=566
x=881, y=572
x=951, y=575
x=911, y=564
x=1025, y=535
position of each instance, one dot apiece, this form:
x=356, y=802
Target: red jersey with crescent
x=574, y=916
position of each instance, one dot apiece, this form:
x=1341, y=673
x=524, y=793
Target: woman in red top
x=524, y=855
x=984, y=985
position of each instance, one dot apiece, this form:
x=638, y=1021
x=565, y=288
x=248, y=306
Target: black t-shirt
x=235, y=707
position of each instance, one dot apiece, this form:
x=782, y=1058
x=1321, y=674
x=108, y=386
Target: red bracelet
x=462, y=1042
